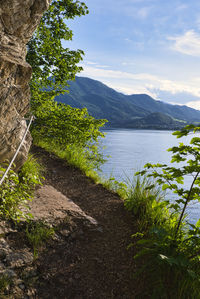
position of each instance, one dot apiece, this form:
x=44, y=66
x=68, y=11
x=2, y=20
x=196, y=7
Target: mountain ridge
x=128, y=111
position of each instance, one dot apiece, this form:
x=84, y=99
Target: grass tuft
x=37, y=234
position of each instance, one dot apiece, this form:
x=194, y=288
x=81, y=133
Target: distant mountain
x=128, y=111
x=156, y=120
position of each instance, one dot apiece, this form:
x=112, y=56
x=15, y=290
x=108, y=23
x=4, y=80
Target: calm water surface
x=131, y=149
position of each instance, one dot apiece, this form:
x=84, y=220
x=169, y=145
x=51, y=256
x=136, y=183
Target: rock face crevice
x=18, y=21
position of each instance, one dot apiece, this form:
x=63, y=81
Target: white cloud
x=143, y=12
x=128, y=63
x=96, y=64
x=105, y=73
x=182, y=7
x=140, y=45
x=126, y=89
x=101, y=66
x=137, y=83
x=90, y=62
x=188, y=43
x=130, y=82
x=139, y=10
x=194, y=104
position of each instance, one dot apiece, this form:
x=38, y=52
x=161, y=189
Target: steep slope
x=123, y=110
x=101, y=101
x=156, y=120
x=176, y=111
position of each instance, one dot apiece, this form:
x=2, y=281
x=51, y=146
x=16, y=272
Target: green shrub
x=169, y=245
x=170, y=268
x=17, y=190
x=77, y=156
x=146, y=202
x=31, y=172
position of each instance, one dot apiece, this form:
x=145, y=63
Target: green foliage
x=86, y=159
x=47, y=55
x=64, y=126
x=53, y=65
x=113, y=185
x=37, y=234
x=171, y=246
x=171, y=272
x=31, y=172
x=17, y=190
x=68, y=129
x=172, y=178
x=146, y=202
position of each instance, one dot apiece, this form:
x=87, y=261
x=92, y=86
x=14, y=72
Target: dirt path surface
x=93, y=264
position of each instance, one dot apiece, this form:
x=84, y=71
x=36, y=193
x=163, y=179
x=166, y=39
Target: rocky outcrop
x=18, y=20
x=53, y=207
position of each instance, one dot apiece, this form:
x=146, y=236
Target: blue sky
x=143, y=46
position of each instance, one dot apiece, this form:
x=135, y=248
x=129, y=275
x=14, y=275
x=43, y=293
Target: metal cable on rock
x=18, y=149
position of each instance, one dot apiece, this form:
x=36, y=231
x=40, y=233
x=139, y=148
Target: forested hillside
x=126, y=110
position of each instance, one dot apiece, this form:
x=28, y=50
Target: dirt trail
x=88, y=265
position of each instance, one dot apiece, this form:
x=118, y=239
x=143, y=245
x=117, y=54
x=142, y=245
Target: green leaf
x=165, y=186
x=198, y=223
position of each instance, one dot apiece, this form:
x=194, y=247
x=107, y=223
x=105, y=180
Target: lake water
x=131, y=149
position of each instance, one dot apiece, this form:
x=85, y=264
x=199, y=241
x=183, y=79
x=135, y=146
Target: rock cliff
x=18, y=21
